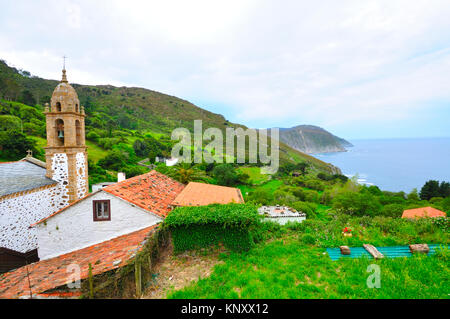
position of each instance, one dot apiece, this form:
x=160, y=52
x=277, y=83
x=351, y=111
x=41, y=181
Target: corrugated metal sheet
x=390, y=252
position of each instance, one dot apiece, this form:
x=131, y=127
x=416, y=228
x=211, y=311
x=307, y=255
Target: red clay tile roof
x=423, y=212
x=153, y=191
x=199, y=194
x=52, y=273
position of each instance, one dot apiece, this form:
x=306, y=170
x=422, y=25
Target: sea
x=394, y=164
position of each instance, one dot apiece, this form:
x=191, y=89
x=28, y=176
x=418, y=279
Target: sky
x=360, y=69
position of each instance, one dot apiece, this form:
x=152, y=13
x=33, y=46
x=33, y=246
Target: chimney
x=120, y=177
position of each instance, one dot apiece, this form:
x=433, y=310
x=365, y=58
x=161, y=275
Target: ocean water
x=394, y=164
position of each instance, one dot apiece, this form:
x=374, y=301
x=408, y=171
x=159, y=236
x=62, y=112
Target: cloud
x=346, y=65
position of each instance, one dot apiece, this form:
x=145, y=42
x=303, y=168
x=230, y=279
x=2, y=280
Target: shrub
x=284, y=198
x=392, y=210
x=308, y=239
x=314, y=184
x=357, y=204
x=306, y=208
x=204, y=226
x=442, y=223
x=225, y=174
x=92, y=136
x=261, y=196
x=311, y=196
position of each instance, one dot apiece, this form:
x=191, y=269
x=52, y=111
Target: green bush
x=307, y=208
x=204, y=226
x=261, y=196
x=357, y=204
x=308, y=239
x=392, y=210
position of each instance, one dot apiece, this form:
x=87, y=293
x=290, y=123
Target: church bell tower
x=65, y=154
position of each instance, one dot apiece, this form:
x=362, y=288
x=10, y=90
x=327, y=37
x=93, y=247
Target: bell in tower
x=66, y=156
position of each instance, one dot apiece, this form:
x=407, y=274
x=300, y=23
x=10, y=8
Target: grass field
x=271, y=185
x=287, y=268
x=256, y=177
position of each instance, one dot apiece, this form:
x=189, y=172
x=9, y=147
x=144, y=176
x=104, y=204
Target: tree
x=14, y=145
x=393, y=210
x=444, y=189
x=225, y=174
x=26, y=97
x=357, y=204
x=302, y=167
x=261, y=196
x=185, y=173
x=413, y=195
x=10, y=122
x=429, y=190
x=114, y=160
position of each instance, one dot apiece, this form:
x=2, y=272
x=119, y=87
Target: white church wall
x=18, y=213
x=75, y=228
x=81, y=174
x=60, y=168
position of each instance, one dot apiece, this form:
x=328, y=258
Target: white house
x=128, y=206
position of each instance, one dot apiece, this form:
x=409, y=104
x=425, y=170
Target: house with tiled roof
x=423, y=212
x=115, y=210
x=200, y=194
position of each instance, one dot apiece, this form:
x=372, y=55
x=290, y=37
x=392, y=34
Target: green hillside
x=115, y=115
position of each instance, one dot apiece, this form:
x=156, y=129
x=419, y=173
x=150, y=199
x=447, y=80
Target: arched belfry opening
x=59, y=127
x=58, y=107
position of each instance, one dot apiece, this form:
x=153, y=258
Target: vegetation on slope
x=122, y=124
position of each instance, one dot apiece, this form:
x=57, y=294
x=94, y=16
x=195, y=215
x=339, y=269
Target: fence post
x=138, y=277
x=91, y=283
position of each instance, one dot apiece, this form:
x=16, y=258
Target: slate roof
x=152, y=191
x=199, y=194
x=52, y=273
x=23, y=175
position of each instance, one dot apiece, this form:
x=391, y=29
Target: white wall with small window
x=94, y=219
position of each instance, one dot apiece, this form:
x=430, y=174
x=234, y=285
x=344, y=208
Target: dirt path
x=178, y=271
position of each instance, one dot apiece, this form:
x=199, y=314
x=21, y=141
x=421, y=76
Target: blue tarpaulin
x=389, y=252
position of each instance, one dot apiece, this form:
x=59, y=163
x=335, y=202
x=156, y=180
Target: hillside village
x=305, y=232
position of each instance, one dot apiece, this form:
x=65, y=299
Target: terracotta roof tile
x=423, y=212
x=153, y=191
x=52, y=273
x=199, y=194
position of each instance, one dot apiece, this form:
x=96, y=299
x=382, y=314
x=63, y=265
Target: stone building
x=31, y=190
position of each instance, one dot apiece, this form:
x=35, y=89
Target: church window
x=102, y=210
x=58, y=107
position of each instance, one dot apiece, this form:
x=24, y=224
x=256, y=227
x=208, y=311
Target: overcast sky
x=361, y=69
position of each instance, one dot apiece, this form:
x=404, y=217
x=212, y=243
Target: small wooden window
x=102, y=210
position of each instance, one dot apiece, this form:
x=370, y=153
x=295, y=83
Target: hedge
x=204, y=226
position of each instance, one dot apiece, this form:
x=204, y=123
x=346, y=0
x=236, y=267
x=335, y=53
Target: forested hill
x=124, y=107
x=114, y=114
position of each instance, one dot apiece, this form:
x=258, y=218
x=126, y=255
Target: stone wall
x=19, y=211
